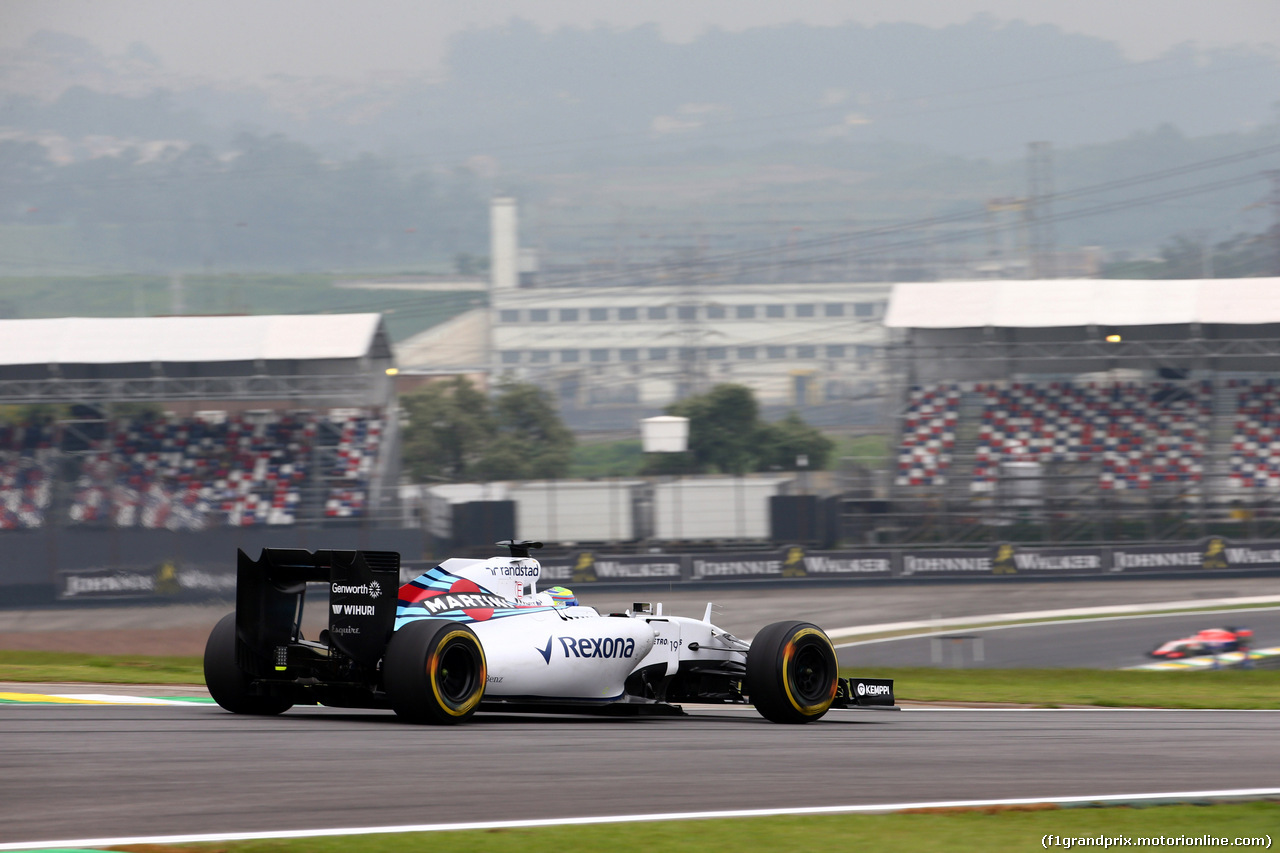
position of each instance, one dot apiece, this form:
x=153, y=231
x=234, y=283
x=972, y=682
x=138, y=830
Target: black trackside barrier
x=215, y=579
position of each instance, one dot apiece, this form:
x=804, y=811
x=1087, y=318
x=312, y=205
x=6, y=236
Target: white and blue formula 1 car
x=473, y=635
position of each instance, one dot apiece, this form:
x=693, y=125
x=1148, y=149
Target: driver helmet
x=562, y=596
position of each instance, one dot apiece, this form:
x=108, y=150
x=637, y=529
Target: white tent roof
x=1082, y=302
x=127, y=340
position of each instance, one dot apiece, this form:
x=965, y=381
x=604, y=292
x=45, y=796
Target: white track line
x=976, y=624
x=884, y=808
x=1192, y=606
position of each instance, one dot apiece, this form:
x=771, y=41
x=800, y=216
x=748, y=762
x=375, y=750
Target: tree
x=780, y=445
x=456, y=433
x=726, y=435
x=449, y=426
x=530, y=440
x=722, y=426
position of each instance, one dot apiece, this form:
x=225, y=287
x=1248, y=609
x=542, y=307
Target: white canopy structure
x=989, y=329
x=337, y=357
x=1084, y=302
x=148, y=340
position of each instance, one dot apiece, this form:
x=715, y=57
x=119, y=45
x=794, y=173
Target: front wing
x=874, y=693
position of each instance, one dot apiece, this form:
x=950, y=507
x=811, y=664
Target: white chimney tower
x=504, y=252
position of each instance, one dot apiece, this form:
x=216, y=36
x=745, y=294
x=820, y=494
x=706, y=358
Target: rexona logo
x=873, y=689
x=372, y=590
x=584, y=647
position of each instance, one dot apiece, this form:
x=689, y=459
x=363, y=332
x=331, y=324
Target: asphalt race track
x=80, y=772
x=69, y=772
x=1104, y=644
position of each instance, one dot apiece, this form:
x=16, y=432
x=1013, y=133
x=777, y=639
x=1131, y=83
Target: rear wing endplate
x=270, y=593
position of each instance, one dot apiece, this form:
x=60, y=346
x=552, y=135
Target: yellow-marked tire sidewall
x=433, y=665
x=788, y=656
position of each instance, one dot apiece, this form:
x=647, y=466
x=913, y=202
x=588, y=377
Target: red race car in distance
x=1210, y=641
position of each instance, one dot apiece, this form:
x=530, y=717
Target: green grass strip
x=1019, y=828
x=99, y=669
x=1051, y=688
x=1244, y=689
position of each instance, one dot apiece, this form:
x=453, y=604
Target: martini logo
x=462, y=598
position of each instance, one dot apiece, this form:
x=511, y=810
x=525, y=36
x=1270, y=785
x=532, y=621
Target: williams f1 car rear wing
x=362, y=601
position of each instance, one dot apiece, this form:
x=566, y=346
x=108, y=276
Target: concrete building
x=600, y=346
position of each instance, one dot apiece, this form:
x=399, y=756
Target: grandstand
x=1060, y=411
x=303, y=453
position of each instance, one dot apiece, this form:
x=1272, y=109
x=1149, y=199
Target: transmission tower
x=1039, y=210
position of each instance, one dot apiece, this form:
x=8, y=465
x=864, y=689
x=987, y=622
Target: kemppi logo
x=872, y=689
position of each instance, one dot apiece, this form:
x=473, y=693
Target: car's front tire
x=792, y=674
x=434, y=671
x=227, y=682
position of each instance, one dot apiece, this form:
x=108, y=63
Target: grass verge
x=1049, y=688
x=1233, y=689
x=99, y=669
x=987, y=829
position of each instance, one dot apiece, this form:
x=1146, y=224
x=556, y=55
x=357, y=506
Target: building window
x=628, y=355
x=598, y=315
x=508, y=316
x=630, y=314
x=657, y=353
x=746, y=352
x=540, y=356
x=804, y=310
x=511, y=356
x=835, y=351
x=539, y=315
x=864, y=309
x=568, y=356
x=775, y=311
x=688, y=354
x=715, y=312
x=806, y=351
x=658, y=313
x=599, y=355
x=833, y=309
x=777, y=352
x=716, y=353
x=865, y=351
x=568, y=315
x=746, y=312
x=687, y=312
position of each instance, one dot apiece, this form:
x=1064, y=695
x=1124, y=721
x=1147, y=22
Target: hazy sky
x=247, y=39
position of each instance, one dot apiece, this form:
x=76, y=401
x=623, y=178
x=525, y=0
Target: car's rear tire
x=227, y=683
x=792, y=673
x=434, y=672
